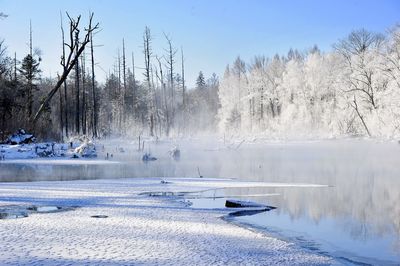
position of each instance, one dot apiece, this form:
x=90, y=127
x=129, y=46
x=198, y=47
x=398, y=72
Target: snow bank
x=33, y=150
x=20, y=137
x=86, y=149
x=139, y=230
x=230, y=183
x=77, y=148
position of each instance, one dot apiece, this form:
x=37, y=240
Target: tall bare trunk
x=61, y=116
x=134, y=94
x=65, y=82
x=120, y=94
x=77, y=91
x=83, y=113
x=183, y=91
x=71, y=61
x=94, y=111
x=124, y=95
x=147, y=54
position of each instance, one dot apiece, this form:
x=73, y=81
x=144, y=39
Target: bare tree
x=124, y=95
x=61, y=115
x=147, y=55
x=165, y=99
x=71, y=59
x=134, y=92
x=83, y=113
x=77, y=103
x=63, y=64
x=120, y=93
x=183, y=80
x=171, y=52
x=95, y=108
x=183, y=90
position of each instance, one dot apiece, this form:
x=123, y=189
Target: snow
x=315, y=94
x=60, y=161
x=139, y=230
x=20, y=137
x=85, y=149
x=229, y=183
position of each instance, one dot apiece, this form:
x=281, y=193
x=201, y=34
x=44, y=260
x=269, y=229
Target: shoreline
x=157, y=230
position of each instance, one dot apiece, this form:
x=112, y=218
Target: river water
x=356, y=218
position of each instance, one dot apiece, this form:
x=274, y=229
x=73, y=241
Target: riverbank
x=140, y=229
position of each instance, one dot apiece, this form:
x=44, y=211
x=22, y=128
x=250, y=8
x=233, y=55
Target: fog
x=360, y=204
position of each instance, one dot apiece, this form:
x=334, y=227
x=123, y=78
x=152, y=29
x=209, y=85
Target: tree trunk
x=124, y=95
x=65, y=82
x=355, y=106
x=134, y=101
x=183, y=92
x=83, y=94
x=61, y=116
x=77, y=92
x=94, y=111
x=147, y=53
x=71, y=61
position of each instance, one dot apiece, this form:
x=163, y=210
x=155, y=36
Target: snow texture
x=139, y=230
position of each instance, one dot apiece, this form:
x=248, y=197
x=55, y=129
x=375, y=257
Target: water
x=356, y=218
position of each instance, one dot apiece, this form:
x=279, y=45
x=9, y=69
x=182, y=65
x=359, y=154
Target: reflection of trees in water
x=364, y=175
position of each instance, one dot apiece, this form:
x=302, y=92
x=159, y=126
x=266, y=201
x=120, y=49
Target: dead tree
x=61, y=115
x=164, y=92
x=75, y=50
x=124, y=95
x=183, y=90
x=77, y=103
x=170, y=64
x=134, y=93
x=30, y=81
x=147, y=54
x=63, y=64
x=83, y=110
x=94, y=111
x=120, y=93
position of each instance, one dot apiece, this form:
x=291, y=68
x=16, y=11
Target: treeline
x=352, y=90
x=75, y=103
x=160, y=104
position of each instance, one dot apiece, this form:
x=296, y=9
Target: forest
x=351, y=90
x=75, y=103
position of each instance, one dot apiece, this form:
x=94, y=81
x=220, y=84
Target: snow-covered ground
x=139, y=230
x=15, y=148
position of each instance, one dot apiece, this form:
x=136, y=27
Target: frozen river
x=356, y=218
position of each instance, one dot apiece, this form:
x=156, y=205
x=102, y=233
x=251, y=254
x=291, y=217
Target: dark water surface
x=357, y=217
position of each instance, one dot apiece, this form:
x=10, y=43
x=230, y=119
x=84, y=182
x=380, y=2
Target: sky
x=212, y=32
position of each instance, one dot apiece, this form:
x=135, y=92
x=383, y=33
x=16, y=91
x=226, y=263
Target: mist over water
x=358, y=215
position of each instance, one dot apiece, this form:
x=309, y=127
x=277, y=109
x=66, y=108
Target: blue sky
x=212, y=33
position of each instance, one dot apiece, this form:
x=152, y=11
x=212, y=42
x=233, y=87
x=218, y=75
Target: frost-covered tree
x=352, y=90
x=200, y=81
